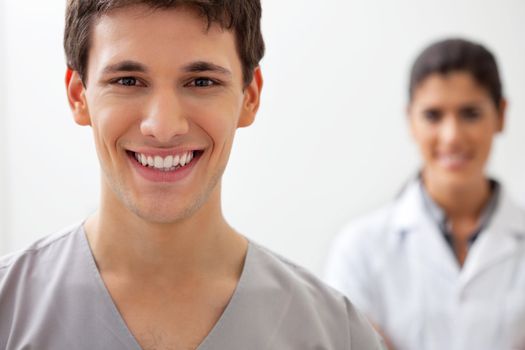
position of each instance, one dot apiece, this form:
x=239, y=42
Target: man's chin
x=159, y=214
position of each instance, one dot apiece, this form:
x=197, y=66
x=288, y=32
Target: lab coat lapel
x=421, y=235
x=501, y=240
x=432, y=250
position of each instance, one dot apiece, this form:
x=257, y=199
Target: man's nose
x=164, y=117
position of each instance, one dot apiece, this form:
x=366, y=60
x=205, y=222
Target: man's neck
x=126, y=245
x=171, y=282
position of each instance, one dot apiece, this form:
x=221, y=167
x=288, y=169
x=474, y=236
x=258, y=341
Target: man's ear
x=252, y=99
x=76, y=95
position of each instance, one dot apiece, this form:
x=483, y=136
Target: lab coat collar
x=503, y=237
x=409, y=210
x=498, y=241
x=414, y=227
x=509, y=218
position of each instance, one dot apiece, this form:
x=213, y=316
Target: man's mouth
x=166, y=163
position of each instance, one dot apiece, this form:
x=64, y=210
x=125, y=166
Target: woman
x=443, y=266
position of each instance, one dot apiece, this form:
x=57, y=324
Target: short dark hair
x=453, y=55
x=243, y=17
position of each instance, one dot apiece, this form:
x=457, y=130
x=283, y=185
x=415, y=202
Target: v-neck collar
x=439, y=217
x=115, y=322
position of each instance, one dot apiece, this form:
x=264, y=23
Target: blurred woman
x=443, y=265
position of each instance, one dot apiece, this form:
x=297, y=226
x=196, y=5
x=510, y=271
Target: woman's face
x=453, y=120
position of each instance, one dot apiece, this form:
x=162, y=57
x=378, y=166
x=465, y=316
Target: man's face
x=164, y=97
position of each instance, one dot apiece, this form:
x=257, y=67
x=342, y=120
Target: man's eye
x=127, y=81
x=202, y=82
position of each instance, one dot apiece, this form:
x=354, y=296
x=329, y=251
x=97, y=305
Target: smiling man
x=164, y=85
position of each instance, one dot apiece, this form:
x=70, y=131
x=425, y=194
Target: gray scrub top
x=53, y=297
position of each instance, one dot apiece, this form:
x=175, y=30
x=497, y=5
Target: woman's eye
x=432, y=115
x=470, y=114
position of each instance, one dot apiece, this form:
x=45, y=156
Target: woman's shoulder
x=378, y=231
x=371, y=228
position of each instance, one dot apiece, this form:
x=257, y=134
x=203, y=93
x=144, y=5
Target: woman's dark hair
x=458, y=55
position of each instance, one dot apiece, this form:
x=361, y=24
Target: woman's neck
x=463, y=206
x=462, y=201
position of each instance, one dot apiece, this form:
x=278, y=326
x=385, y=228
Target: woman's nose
x=450, y=130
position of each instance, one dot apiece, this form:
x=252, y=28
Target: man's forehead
x=137, y=38
x=142, y=22
x=135, y=13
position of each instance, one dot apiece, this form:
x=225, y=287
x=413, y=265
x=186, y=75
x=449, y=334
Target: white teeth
x=176, y=160
x=183, y=159
x=159, y=162
x=168, y=163
x=453, y=160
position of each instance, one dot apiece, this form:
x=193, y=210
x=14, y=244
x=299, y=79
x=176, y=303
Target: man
x=164, y=85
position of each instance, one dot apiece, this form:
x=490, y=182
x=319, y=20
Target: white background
x=330, y=142
x=3, y=134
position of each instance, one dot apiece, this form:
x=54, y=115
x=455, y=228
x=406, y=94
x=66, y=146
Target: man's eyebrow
x=125, y=66
x=203, y=66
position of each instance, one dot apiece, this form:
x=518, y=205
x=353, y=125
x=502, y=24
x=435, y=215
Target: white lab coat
x=396, y=266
